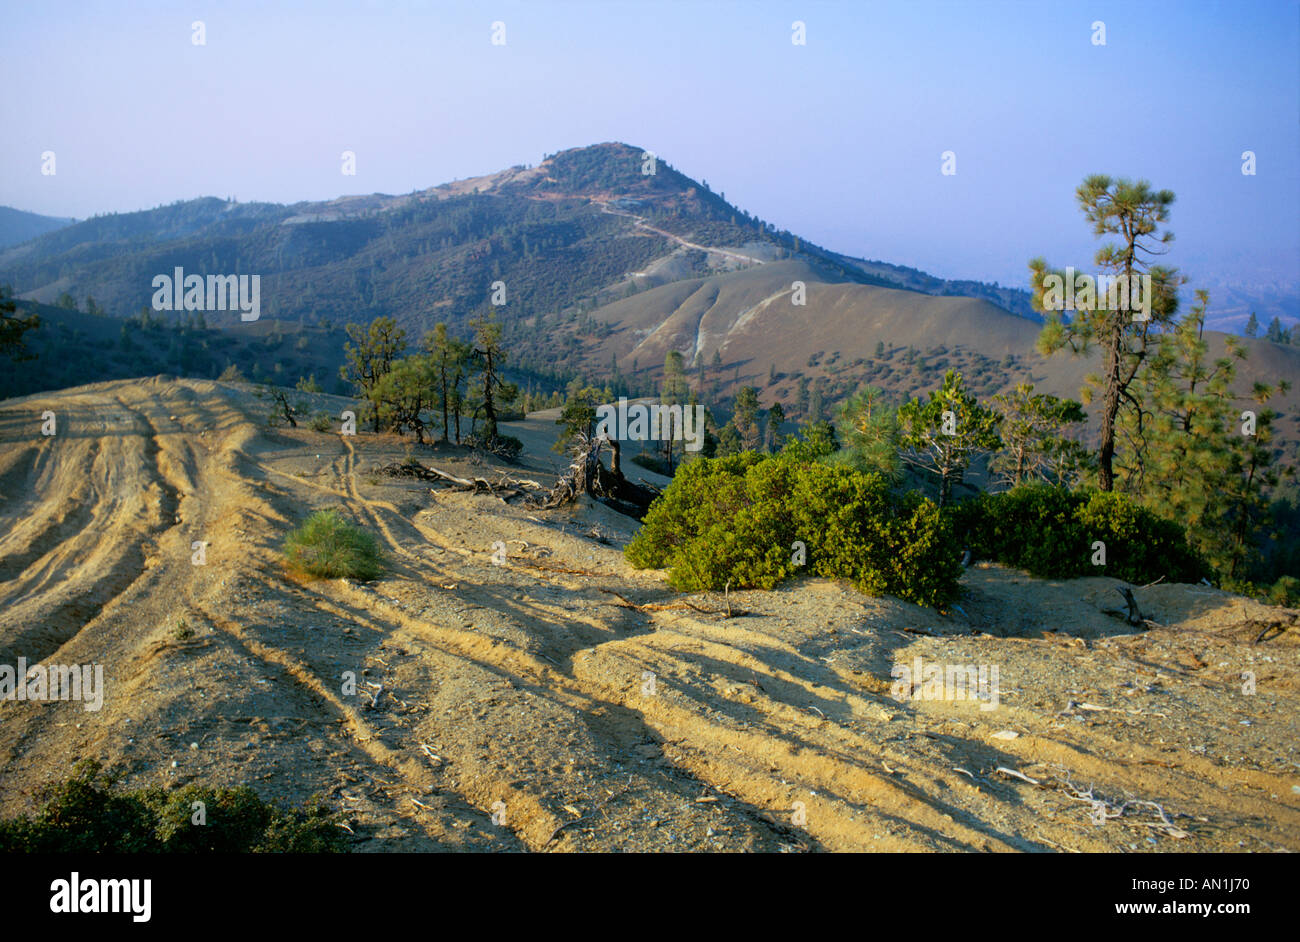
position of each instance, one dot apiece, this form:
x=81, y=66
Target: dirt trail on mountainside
x=541, y=705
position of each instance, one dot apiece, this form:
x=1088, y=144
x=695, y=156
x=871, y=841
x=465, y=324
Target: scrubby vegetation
x=68, y=347
x=326, y=545
x=86, y=813
x=739, y=520
x=1052, y=533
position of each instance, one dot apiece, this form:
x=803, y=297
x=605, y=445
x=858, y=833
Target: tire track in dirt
x=41, y=524
x=83, y=576
x=499, y=657
x=528, y=817
x=760, y=790
x=807, y=773
x=528, y=681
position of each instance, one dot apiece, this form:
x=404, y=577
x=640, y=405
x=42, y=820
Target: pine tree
x=673, y=392
x=816, y=403
x=1033, y=447
x=1134, y=212
x=944, y=433
x=449, y=357
x=370, y=356
x=578, y=417
x=775, y=418
x=745, y=419
x=1252, y=326
x=1253, y=477
x=12, y=327
x=868, y=427
x=494, y=390
x=405, y=392
x=729, y=441
x=1193, y=461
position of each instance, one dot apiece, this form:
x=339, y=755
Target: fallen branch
x=1110, y=810
x=662, y=606
x=1020, y=775
x=518, y=561
x=503, y=488
x=919, y=631
x=1279, y=626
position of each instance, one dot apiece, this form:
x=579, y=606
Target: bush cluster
x=86, y=814
x=1050, y=532
x=736, y=519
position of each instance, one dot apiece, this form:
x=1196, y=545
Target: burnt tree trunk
x=587, y=475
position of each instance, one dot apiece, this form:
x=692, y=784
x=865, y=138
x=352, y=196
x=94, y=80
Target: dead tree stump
x=587, y=475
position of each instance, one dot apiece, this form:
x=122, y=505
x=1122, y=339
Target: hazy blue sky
x=838, y=141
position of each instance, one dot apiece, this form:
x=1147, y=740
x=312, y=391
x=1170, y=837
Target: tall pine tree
x=1135, y=213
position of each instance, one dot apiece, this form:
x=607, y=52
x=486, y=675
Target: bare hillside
x=750, y=320
x=563, y=701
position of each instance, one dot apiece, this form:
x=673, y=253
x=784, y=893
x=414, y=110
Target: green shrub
x=1140, y=547
x=86, y=814
x=320, y=422
x=856, y=527
x=1285, y=592
x=1032, y=528
x=328, y=546
x=1050, y=531
x=735, y=520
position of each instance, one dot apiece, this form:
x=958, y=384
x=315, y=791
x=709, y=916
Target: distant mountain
x=1231, y=306
x=605, y=267
x=560, y=235
x=17, y=226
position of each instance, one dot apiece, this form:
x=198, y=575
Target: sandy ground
x=526, y=706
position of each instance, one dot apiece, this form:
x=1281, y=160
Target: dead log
x=588, y=475
x=503, y=488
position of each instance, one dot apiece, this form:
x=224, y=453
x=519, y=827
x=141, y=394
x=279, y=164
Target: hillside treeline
x=1184, y=482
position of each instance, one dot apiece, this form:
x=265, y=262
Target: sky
x=839, y=140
